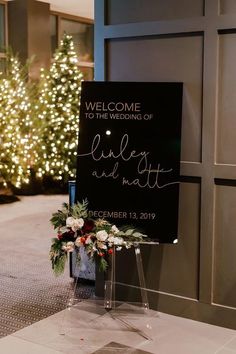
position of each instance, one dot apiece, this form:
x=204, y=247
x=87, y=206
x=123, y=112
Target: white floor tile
x=232, y=344
x=43, y=331
x=90, y=328
x=225, y=351
x=13, y=345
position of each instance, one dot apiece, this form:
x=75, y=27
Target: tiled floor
x=89, y=329
x=26, y=277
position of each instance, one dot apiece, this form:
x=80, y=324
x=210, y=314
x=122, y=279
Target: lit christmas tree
x=17, y=131
x=59, y=113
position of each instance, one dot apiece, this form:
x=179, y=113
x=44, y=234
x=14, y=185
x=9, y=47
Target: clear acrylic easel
x=110, y=283
x=127, y=314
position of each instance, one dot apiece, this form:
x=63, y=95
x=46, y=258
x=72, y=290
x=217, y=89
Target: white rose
x=70, y=221
x=75, y=224
x=115, y=229
x=102, y=235
x=78, y=223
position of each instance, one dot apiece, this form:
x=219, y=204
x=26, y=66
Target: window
x=82, y=34
x=3, y=36
x=54, y=33
x=82, y=31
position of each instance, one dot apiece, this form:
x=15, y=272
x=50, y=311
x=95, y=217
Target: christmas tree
x=17, y=131
x=59, y=113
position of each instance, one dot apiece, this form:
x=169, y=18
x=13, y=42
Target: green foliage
x=58, y=219
x=102, y=264
x=98, y=237
x=132, y=235
x=58, y=111
x=58, y=264
x=18, y=136
x=39, y=121
x=58, y=257
x=80, y=210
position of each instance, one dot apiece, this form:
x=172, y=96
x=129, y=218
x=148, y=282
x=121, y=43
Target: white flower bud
x=115, y=229
x=69, y=247
x=118, y=241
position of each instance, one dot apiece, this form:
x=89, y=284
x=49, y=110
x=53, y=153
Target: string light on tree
x=59, y=113
x=17, y=132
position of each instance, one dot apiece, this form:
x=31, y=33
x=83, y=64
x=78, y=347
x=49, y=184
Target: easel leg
x=109, y=293
x=142, y=282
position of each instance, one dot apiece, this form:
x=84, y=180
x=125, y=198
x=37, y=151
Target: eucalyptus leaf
x=129, y=232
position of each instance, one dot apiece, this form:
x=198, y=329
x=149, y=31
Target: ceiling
x=82, y=8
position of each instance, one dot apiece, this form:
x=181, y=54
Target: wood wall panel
x=227, y=6
x=226, y=127
x=225, y=246
x=176, y=267
x=196, y=46
x=170, y=268
x=152, y=10
x=176, y=59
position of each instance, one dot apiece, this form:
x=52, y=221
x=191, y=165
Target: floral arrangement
x=99, y=238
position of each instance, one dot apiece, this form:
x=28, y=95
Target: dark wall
x=29, y=32
x=190, y=42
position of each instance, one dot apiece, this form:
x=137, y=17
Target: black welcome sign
x=129, y=154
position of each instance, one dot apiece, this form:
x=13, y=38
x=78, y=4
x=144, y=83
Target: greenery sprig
x=99, y=237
